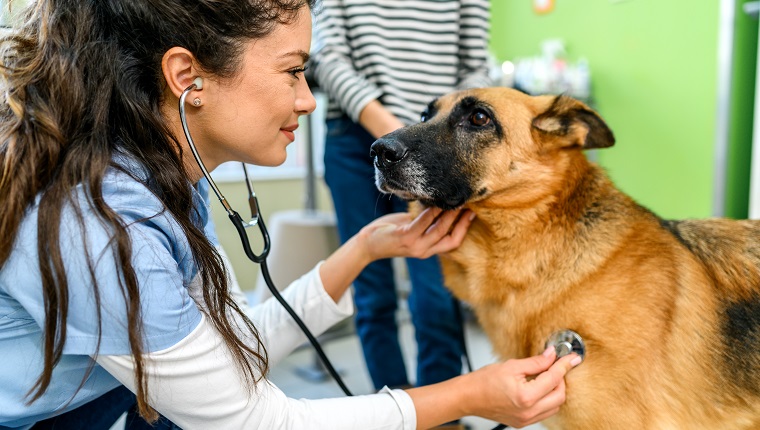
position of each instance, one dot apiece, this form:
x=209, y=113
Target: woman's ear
x=178, y=67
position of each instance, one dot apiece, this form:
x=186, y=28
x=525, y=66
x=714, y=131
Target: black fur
x=741, y=329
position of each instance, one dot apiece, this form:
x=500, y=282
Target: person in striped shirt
x=380, y=63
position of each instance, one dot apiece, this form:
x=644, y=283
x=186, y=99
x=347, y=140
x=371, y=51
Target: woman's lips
x=289, y=132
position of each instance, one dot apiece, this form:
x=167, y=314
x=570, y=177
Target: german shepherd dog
x=669, y=310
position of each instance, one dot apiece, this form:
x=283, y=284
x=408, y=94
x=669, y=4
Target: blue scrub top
x=164, y=267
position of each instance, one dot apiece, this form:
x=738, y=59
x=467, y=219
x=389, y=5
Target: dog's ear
x=570, y=122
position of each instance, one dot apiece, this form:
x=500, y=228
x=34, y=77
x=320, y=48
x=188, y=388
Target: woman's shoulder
x=125, y=189
x=122, y=191
x=159, y=254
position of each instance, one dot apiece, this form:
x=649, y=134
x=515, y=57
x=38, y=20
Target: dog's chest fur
x=520, y=267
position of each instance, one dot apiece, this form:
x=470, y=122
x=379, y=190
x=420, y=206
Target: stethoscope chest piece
x=565, y=342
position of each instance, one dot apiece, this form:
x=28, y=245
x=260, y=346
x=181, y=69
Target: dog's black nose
x=387, y=152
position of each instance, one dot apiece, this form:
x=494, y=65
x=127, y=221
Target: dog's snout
x=387, y=152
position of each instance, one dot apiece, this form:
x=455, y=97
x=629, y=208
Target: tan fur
x=651, y=306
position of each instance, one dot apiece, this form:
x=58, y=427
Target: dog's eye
x=424, y=116
x=479, y=118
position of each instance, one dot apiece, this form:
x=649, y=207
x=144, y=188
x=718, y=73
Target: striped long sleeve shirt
x=403, y=53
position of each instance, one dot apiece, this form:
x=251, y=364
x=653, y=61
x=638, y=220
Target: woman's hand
x=515, y=392
x=518, y=399
x=396, y=235
x=433, y=231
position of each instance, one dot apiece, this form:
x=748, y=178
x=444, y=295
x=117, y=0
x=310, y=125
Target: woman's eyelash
x=297, y=70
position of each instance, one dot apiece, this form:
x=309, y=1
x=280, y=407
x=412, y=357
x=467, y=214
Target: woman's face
x=252, y=116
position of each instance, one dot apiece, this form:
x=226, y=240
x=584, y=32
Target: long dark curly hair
x=80, y=81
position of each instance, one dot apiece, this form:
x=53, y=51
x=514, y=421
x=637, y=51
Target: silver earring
x=196, y=102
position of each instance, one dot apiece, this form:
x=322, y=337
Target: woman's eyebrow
x=299, y=53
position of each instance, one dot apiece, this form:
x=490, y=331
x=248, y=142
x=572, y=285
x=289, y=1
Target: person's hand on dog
x=431, y=232
x=401, y=235
x=526, y=391
x=515, y=392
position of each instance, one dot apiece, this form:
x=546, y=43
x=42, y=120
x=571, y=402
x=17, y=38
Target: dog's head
x=479, y=144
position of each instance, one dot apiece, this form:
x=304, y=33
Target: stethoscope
x=565, y=341
x=241, y=226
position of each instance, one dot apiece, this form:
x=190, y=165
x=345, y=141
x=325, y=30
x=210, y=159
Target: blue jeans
x=349, y=174
x=102, y=413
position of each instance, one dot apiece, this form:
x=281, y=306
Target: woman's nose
x=305, y=101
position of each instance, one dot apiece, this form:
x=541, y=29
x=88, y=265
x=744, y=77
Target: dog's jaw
x=385, y=188
x=407, y=183
x=418, y=192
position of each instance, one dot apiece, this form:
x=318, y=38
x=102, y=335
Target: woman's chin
x=272, y=161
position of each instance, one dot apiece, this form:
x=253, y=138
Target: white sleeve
x=279, y=332
x=310, y=301
x=196, y=385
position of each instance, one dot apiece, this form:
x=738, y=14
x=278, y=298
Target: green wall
x=742, y=115
x=654, y=80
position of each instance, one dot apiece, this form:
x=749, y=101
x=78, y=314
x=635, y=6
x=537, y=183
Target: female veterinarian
x=106, y=277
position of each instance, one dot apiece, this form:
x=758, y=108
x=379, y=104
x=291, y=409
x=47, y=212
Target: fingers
x=426, y=221
x=540, y=417
x=441, y=226
x=542, y=410
x=448, y=231
x=543, y=396
x=431, y=232
x=549, y=380
x=549, y=404
x=422, y=223
x=461, y=227
x=442, y=223
x=536, y=364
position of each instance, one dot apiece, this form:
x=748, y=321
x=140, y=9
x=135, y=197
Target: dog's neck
x=534, y=241
x=568, y=205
